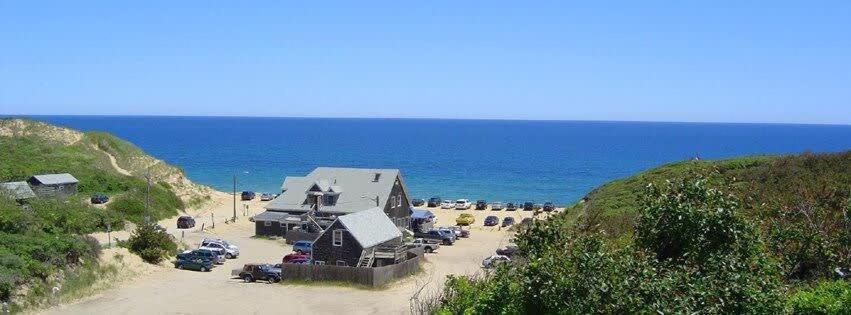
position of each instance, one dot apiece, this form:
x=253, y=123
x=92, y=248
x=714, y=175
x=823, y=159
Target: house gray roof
x=370, y=227
x=276, y=216
x=17, y=190
x=55, y=179
x=356, y=189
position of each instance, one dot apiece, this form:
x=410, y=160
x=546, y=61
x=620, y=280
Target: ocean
x=496, y=160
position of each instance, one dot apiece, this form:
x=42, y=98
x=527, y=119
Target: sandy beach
x=165, y=290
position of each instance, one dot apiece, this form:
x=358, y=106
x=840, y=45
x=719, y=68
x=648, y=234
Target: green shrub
x=151, y=243
x=681, y=260
x=828, y=297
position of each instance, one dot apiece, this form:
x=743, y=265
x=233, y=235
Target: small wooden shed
x=53, y=185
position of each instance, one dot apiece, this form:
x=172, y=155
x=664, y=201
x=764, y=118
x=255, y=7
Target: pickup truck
x=254, y=272
x=427, y=246
x=436, y=235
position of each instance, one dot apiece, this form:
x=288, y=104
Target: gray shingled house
x=19, y=191
x=362, y=239
x=339, y=191
x=53, y=185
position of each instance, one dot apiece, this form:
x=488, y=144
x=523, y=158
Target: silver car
x=497, y=206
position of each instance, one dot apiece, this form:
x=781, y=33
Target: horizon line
x=426, y=118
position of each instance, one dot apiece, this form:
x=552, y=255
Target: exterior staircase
x=367, y=257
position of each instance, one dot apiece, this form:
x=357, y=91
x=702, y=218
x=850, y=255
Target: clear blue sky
x=658, y=61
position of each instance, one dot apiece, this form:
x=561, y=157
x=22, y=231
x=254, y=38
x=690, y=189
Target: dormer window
x=329, y=200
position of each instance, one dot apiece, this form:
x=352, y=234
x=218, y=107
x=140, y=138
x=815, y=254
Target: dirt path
x=115, y=164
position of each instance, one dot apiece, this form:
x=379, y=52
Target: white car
x=463, y=204
x=447, y=204
x=231, y=251
x=492, y=261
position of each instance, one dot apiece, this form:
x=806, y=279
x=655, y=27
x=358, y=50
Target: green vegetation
x=151, y=243
x=830, y=297
x=43, y=243
x=747, y=235
x=36, y=243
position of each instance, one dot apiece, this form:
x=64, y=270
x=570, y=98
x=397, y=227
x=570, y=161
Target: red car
x=295, y=256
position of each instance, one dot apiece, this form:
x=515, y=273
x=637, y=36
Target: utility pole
x=234, y=197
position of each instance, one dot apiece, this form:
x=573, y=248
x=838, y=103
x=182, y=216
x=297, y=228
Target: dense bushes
x=151, y=243
x=35, y=243
x=829, y=297
x=692, y=253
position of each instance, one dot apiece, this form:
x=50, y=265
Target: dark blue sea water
x=555, y=161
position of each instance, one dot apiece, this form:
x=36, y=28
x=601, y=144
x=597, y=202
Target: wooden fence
x=361, y=275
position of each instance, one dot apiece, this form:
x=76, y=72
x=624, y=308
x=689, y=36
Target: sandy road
x=172, y=291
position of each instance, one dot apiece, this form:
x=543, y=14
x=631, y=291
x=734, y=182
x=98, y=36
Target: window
x=319, y=262
x=283, y=225
x=338, y=238
x=267, y=223
x=399, y=200
x=342, y=263
x=392, y=201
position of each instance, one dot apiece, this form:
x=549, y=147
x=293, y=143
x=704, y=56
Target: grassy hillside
x=45, y=243
x=763, y=182
x=744, y=235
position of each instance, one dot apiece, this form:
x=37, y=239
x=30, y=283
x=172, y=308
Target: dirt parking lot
x=172, y=291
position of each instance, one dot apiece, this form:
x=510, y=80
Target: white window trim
x=267, y=223
x=334, y=237
x=392, y=201
x=399, y=200
x=319, y=262
x=342, y=263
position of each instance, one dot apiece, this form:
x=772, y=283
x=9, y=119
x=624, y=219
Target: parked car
x=549, y=206
x=231, y=251
x=426, y=245
x=207, y=254
x=417, y=202
x=497, y=206
x=434, y=201
x=447, y=204
x=510, y=206
x=302, y=246
x=99, y=199
x=254, y=272
x=463, y=204
x=196, y=263
x=288, y=258
x=494, y=260
x=248, y=195
x=526, y=221
x=481, y=205
x=507, y=221
x=528, y=206
x=301, y=261
x=507, y=251
x=491, y=220
x=459, y=231
x=266, y=197
x=185, y=222
x=436, y=235
x=465, y=219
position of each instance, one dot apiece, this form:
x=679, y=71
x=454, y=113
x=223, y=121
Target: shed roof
x=276, y=216
x=356, y=189
x=55, y=179
x=17, y=190
x=370, y=227
x=422, y=214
